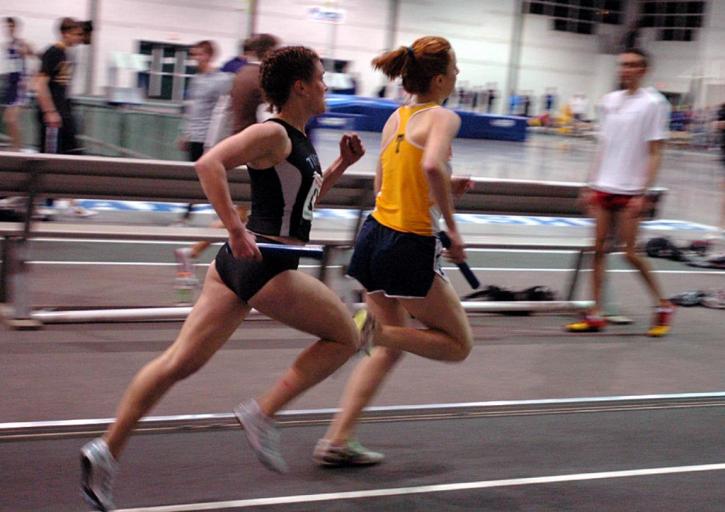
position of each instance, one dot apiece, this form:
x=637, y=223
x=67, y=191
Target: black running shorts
x=246, y=277
x=401, y=265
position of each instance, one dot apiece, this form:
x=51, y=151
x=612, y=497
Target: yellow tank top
x=404, y=202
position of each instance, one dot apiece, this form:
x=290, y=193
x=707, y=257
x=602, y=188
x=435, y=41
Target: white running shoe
x=98, y=469
x=80, y=212
x=44, y=213
x=352, y=453
x=261, y=434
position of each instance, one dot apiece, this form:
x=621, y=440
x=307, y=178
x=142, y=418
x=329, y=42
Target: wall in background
x=480, y=31
x=358, y=38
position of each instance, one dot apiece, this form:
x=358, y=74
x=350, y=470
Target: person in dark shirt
x=526, y=105
x=721, y=128
x=52, y=84
x=234, y=64
x=55, y=115
x=287, y=181
x=246, y=94
x=549, y=100
x=491, y=96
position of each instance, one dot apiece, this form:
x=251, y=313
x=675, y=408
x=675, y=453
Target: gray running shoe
x=714, y=299
x=98, y=469
x=261, y=434
x=366, y=324
x=351, y=453
x=80, y=212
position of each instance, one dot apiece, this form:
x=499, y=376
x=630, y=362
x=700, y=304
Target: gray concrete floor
x=214, y=466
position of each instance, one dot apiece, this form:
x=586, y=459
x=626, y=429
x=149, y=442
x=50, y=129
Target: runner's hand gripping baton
x=463, y=266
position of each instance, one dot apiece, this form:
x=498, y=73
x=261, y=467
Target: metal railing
x=33, y=175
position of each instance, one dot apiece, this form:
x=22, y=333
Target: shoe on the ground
x=44, y=213
x=589, y=323
x=618, y=319
x=662, y=321
x=186, y=280
x=13, y=202
x=352, y=453
x=261, y=434
x=80, y=212
x=184, y=286
x=688, y=299
x=366, y=325
x=715, y=299
x=98, y=469
x=184, y=261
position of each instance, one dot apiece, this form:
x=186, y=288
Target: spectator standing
x=491, y=96
x=58, y=131
x=234, y=64
x=245, y=109
x=52, y=85
x=633, y=127
x=721, y=131
x=246, y=94
x=206, y=87
x=14, y=96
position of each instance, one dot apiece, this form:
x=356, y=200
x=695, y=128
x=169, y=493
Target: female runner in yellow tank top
x=396, y=255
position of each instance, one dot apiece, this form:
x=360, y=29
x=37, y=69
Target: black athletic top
x=58, y=67
x=284, y=196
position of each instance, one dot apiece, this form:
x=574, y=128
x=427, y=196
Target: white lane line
x=105, y=263
x=389, y=408
x=481, y=269
x=614, y=271
x=120, y=241
x=424, y=489
x=138, y=264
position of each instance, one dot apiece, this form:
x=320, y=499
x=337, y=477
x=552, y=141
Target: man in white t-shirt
x=633, y=126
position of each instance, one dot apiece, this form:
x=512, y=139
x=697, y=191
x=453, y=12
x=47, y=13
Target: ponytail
x=393, y=63
x=417, y=64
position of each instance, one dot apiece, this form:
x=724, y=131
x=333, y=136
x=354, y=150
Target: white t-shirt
x=627, y=124
x=578, y=105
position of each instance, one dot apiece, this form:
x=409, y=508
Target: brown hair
x=281, y=68
x=417, y=64
x=206, y=46
x=641, y=53
x=260, y=44
x=68, y=24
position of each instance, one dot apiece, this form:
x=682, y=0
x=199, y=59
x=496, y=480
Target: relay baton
x=463, y=266
x=304, y=251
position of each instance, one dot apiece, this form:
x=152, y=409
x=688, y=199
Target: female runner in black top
x=286, y=183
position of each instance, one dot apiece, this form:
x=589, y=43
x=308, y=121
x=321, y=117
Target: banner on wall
x=326, y=14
